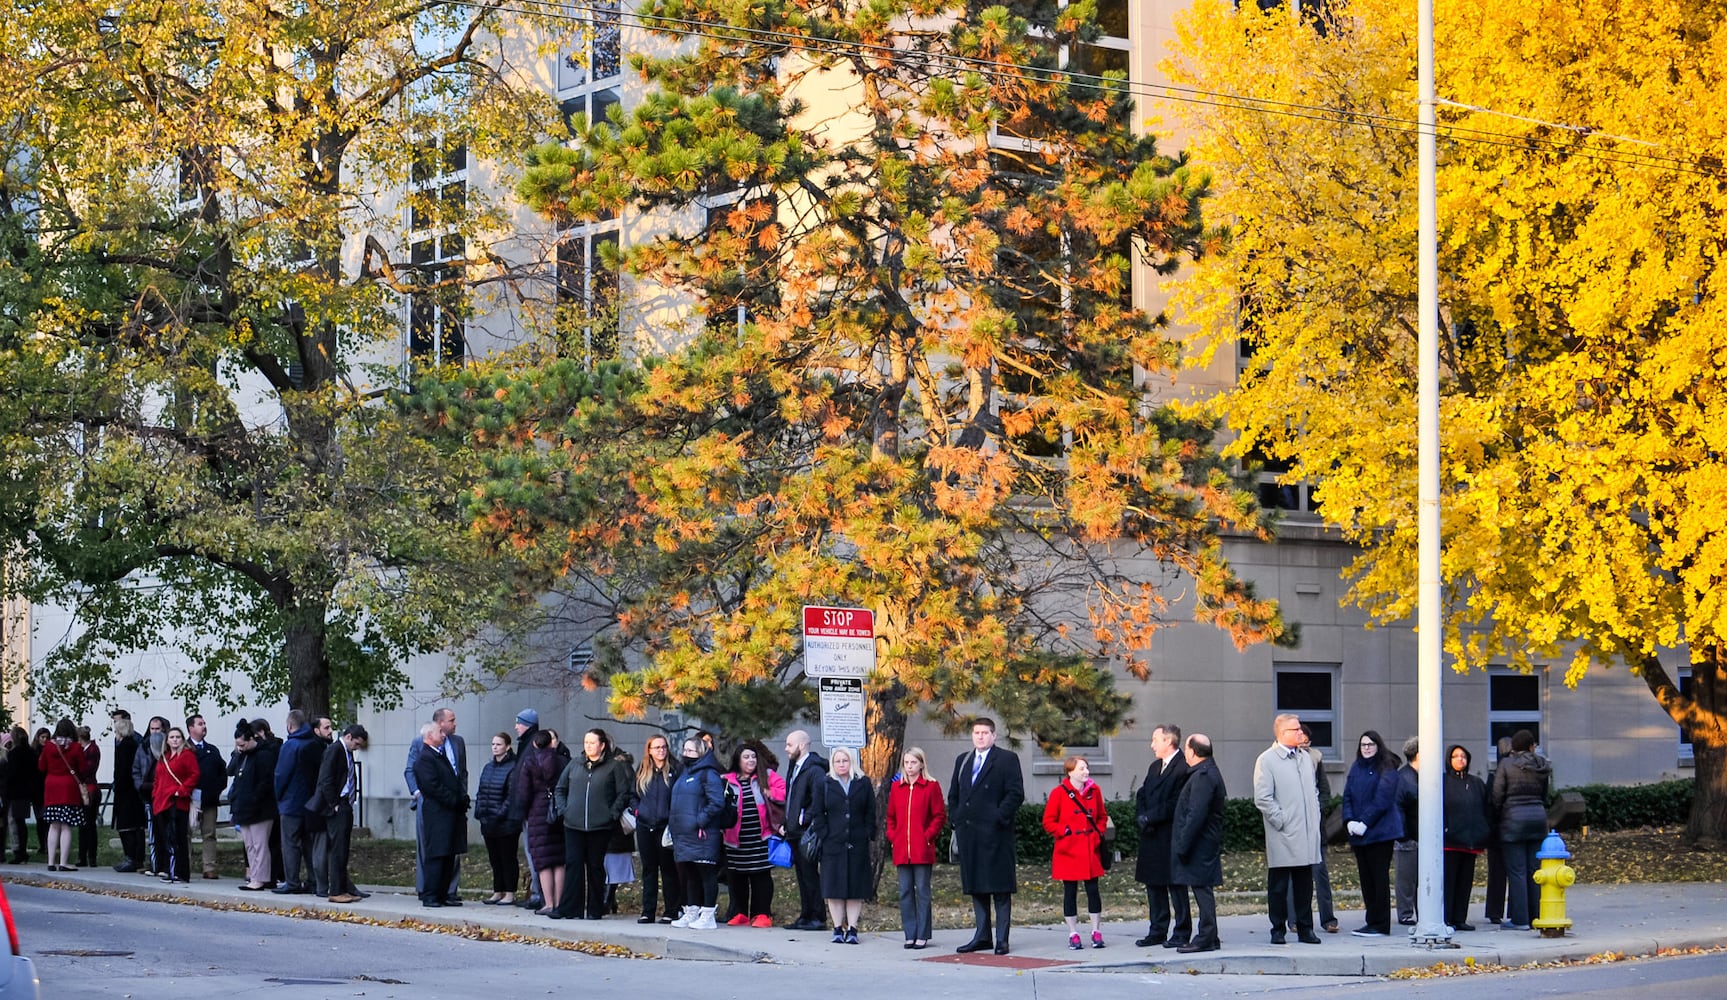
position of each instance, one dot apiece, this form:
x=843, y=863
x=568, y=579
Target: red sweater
x=915, y=816
x=176, y=777
x=1075, y=858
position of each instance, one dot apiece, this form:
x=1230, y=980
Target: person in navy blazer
x=987, y=790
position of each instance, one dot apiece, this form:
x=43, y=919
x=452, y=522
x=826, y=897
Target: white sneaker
x=704, y=919
x=685, y=915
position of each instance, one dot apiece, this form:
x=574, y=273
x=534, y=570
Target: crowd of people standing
x=699, y=818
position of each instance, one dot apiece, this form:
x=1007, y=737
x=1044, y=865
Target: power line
x=586, y=13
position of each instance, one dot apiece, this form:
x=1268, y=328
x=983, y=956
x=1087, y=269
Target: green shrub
x=1626, y=807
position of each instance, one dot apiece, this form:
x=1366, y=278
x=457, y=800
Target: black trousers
x=584, y=873
x=1459, y=880
x=1002, y=904
x=1495, y=881
x=338, y=833
x=1373, y=861
x=87, y=837
x=1205, y=900
x=1070, y=897
x=439, y=871
x=752, y=893
x=1171, y=915
x=658, y=871
x=174, y=843
x=501, y=855
x=810, y=905
x=701, y=883
x=1287, y=883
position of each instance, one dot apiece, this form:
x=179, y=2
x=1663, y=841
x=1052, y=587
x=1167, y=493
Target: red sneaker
x=762, y=920
x=738, y=921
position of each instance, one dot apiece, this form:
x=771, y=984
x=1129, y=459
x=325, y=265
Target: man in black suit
x=1196, y=842
x=1154, y=808
x=986, y=791
x=443, y=817
x=337, y=787
x=805, y=770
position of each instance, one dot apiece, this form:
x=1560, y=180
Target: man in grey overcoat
x=1287, y=795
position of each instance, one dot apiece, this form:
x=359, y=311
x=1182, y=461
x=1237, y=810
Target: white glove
x=1357, y=828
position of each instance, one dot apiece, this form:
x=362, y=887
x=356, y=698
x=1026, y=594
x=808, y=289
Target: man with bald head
x=805, y=770
x=1196, y=843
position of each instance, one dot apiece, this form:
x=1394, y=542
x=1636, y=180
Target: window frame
x=1332, y=716
x=1510, y=716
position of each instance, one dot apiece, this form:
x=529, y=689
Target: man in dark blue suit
x=987, y=790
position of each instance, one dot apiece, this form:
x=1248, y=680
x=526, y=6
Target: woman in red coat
x=1075, y=816
x=61, y=762
x=915, y=816
x=177, y=776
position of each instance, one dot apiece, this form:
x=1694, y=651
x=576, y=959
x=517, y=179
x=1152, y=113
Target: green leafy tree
x=1582, y=319
x=201, y=290
x=941, y=404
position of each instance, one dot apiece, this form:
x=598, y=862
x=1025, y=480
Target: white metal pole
x=1430, y=894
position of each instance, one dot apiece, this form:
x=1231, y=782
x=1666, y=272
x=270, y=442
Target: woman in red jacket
x=61, y=762
x=1075, y=816
x=915, y=816
x=177, y=776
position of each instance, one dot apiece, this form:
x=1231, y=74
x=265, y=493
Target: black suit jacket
x=799, y=794
x=332, y=775
x=443, y=806
x=1154, y=809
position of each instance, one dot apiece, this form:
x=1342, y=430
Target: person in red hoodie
x=1076, y=817
x=916, y=812
x=177, y=775
x=61, y=762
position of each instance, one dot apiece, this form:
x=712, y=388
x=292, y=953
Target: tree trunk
x=1704, y=715
x=308, y=666
x=885, y=724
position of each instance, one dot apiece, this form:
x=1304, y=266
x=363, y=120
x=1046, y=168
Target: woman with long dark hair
x=1374, y=822
x=761, y=811
x=536, y=774
x=61, y=765
x=656, y=775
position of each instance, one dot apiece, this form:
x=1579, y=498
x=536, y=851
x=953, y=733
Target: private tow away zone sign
x=839, y=651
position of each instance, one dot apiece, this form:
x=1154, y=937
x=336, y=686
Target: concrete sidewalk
x=1628, y=919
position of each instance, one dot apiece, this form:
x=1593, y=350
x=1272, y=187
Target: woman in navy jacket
x=500, y=824
x=1371, y=815
x=697, y=825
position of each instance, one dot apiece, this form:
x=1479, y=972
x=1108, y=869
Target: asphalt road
x=95, y=946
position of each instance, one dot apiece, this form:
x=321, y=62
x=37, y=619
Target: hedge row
x=1611, y=807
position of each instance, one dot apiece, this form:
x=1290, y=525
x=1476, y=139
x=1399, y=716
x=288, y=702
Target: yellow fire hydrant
x=1554, y=877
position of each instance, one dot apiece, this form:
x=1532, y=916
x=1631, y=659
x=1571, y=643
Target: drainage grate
x=279, y=981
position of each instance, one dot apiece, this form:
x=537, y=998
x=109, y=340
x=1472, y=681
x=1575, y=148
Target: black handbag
x=810, y=844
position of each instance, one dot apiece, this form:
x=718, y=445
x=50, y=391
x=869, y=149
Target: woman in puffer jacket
x=1370, y=813
x=1519, y=799
x=697, y=826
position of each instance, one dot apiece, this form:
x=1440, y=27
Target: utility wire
x=585, y=13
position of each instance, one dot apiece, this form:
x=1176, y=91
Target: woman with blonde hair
x=842, y=816
x=655, y=777
x=915, y=816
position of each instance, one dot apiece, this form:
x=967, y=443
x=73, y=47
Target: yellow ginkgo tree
x=1583, y=316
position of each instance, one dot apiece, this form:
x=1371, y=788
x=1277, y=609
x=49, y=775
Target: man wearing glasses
x=1287, y=795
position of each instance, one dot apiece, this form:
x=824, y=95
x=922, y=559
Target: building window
x=434, y=204
x=588, y=292
x=1686, y=757
x=590, y=73
x=743, y=229
x=1309, y=690
x=1513, y=703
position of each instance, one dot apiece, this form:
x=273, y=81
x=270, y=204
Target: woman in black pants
x=655, y=776
x=1374, y=822
x=500, y=824
x=590, y=795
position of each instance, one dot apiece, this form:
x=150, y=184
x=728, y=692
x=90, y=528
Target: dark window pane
x=1514, y=693
x=1112, y=17
x=1276, y=496
x=1505, y=730
x=1095, y=60
x=1304, y=690
x=1323, y=737
x=607, y=54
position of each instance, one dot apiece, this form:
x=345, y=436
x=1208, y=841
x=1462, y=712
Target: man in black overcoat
x=987, y=790
x=1154, y=808
x=1197, y=840
x=443, y=816
x=805, y=770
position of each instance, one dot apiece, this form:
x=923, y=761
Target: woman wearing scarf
x=1075, y=816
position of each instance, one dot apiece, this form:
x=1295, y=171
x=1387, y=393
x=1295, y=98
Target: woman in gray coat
x=590, y=795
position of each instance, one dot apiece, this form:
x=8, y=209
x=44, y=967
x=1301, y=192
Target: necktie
x=976, y=765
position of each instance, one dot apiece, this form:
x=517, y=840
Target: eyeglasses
x=1368, y=743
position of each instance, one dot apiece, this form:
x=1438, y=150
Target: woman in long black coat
x=842, y=815
x=537, y=771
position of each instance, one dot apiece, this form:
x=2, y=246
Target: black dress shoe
x=971, y=946
x=1464, y=927
x=1189, y=949
x=431, y=904
x=1150, y=941
x=1308, y=937
x=287, y=889
x=125, y=866
x=1174, y=943
x=645, y=919
x=452, y=901
x=1278, y=938
x=1001, y=949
